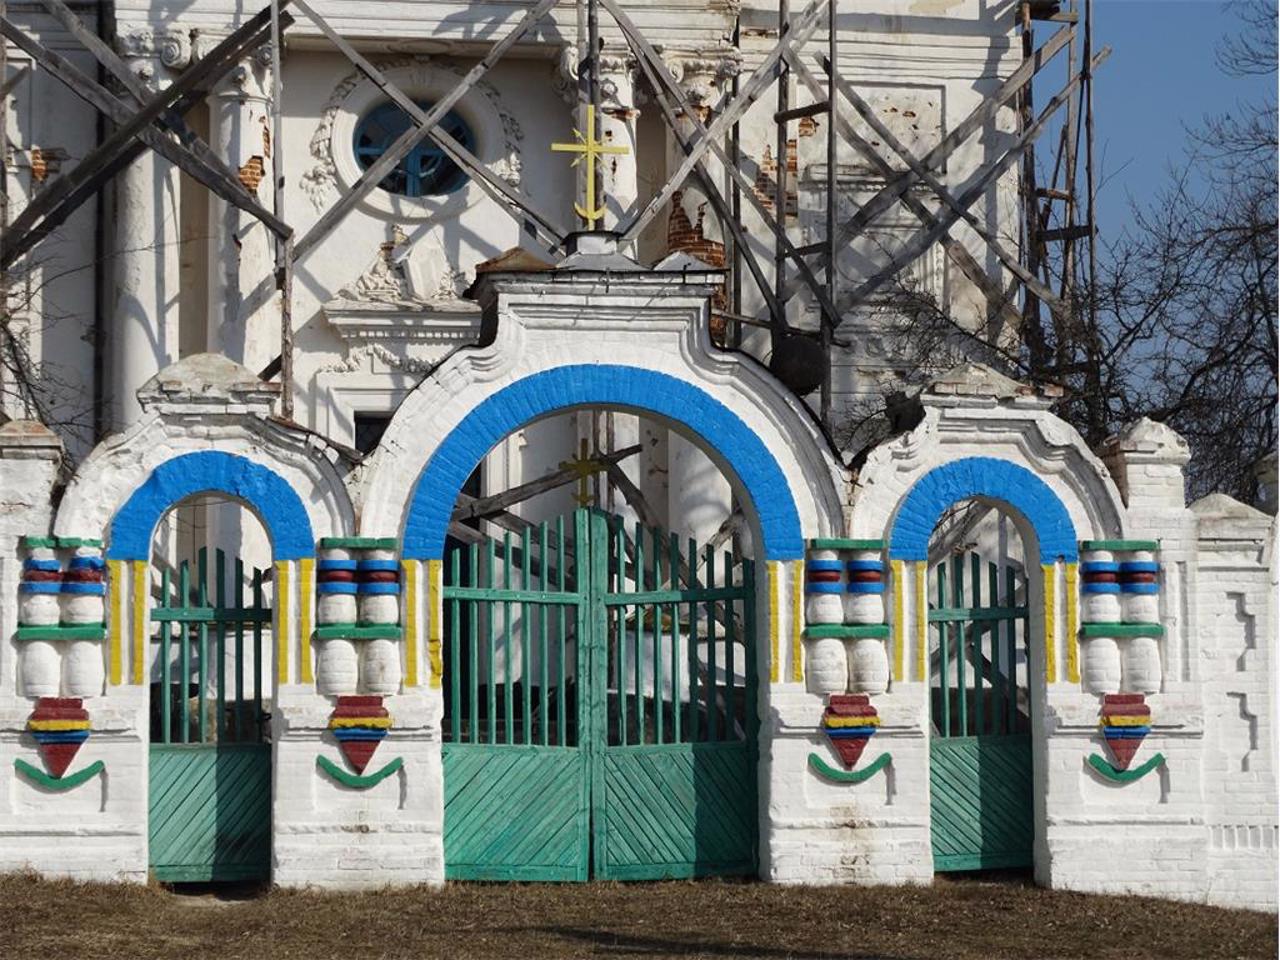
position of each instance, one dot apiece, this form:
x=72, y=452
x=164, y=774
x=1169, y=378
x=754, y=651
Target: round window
x=425, y=171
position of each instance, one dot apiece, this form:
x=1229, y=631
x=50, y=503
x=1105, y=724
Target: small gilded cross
x=585, y=467
x=590, y=147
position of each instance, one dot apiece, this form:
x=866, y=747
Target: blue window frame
x=425, y=171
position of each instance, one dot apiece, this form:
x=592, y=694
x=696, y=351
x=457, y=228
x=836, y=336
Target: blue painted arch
x=561, y=388
x=987, y=478
x=210, y=471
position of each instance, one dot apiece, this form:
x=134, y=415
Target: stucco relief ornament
x=321, y=180
x=172, y=47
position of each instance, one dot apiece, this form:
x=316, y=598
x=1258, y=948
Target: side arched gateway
x=986, y=634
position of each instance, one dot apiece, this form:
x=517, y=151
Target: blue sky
x=1161, y=78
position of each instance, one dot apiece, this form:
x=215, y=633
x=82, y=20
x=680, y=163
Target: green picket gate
x=980, y=749
x=600, y=714
x=209, y=815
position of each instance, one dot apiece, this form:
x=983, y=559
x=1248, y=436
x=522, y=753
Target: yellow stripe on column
x=282, y=621
x=435, y=628
x=409, y=574
x=305, y=567
x=922, y=620
x=139, y=616
x=1073, y=641
x=117, y=585
x=899, y=621
x=1050, y=622
x=775, y=640
x=797, y=620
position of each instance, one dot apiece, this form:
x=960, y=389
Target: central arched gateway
x=599, y=685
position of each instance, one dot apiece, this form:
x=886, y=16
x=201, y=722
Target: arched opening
x=599, y=668
x=208, y=664
x=980, y=691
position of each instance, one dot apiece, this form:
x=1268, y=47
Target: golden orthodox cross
x=590, y=147
x=585, y=467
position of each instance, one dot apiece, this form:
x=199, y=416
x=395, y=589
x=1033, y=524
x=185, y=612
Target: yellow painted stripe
x=1109, y=721
x=305, y=568
x=55, y=725
x=1050, y=622
x=922, y=621
x=1073, y=641
x=899, y=621
x=797, y=620
x=117, y=584
x=435, y=629
x=383, y=722
x=140, y=632
x=775, y=641
x=409, y=577
x=837, y=722
x=282, y=621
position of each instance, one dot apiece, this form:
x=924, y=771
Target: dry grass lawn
x=64, y=920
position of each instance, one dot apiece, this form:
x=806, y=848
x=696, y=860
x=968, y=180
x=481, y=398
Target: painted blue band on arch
x=40, y=586
x=1139, y=566
x=45, y=565
x=1099, y=566
x=379, y=588
x=861, y=566
x=1100, y=587
x=1147, y=588
x=335, y=587
x=824, y=588
x=270, y=496
x=824, y=566
x=615, y=385
x=85, y=589
x=866, y=588
x=990, y=479
x=335, y=565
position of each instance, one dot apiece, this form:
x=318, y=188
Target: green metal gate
x=600, y=714
x=980, y=750
x=210, y=768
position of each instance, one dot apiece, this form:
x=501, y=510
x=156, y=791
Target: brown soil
x=975, y=919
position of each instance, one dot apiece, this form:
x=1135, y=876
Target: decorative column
x=243, y=316
x=358, y=624
x=62, y=618
x=846, y=624
x=144, y=300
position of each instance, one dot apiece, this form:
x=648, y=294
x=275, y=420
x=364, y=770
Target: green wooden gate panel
x=980, y=772
x=515, y=813
x=676, y=811
x=210, y=771
x=210, y=811
x=980, y=802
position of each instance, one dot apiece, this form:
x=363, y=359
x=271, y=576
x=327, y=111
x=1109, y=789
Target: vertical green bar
x=958, y=601
x=1011, y=600
x=692, y=658
x=713, y=719
x=638, y=674
x=241, y=723
x=184, y=650
x=562, y=641
x=259, y=605
x=979, y=628
x=749, y=648
x=944, y=652
x=619, y=637
x=526, y=626
x=999, y=678
x=730, y=640
x=508, y=687
x=166, y=671
x=454, y=666
x=473, y=641
x=203, y=589
x=220, y=598
x=673, y=563
x=656, y=612
x=492, y=632
x=591, y=542
x=543, y=704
